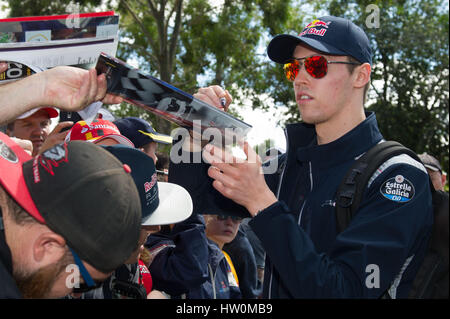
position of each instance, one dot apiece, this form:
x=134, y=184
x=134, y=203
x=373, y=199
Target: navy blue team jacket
x=385, y=242
x=381, y=249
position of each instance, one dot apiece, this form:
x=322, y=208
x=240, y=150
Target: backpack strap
x=348, y=199
x=352, y=187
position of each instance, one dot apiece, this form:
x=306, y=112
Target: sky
x=3, y=14
x=264, y=126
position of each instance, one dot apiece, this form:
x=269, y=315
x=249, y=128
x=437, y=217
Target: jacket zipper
x=213, y=280
x=311, y=181
x=278, y=196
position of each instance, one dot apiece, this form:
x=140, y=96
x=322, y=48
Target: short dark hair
x=163, y=161
x=351, y=68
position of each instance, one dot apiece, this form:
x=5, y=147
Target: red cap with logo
x=96, y=131
x=12, y=156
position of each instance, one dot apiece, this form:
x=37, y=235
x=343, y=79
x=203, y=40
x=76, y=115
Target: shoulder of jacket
x=404, y=160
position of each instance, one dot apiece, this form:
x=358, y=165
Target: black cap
x=87, y=196
x=330, y=35
x=140, y=132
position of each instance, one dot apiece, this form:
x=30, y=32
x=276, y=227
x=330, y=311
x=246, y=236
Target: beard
x=39, y=283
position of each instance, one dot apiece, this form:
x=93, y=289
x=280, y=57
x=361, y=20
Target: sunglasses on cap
x=316, y=66
x=233, y=218
x=89, y=283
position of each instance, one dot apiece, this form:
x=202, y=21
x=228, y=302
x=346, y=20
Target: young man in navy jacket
x=379, y=253
x=186, y=263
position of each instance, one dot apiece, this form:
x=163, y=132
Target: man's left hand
x=241, y=180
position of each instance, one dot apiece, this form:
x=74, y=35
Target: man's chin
x=38, y=284
x=36, y=148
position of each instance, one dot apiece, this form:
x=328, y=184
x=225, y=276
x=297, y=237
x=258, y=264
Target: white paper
x=53, y=53
x=89, y=113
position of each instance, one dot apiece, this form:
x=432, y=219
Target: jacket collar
x=215, y=254
x=302, y=141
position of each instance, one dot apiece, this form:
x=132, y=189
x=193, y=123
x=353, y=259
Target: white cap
x=52, y=112
x=175, y=205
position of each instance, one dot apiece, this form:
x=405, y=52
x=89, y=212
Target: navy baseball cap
x=330, y=35
x=140, y=132
x=161, y=203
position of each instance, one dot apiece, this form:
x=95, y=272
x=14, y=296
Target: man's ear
x=362, y=75
x=48, y=248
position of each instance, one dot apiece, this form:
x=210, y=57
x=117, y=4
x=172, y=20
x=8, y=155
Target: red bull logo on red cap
x=311, y=28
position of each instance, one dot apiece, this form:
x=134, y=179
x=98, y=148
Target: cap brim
x=157, y=137
x=119, y=138
x=433, y=168
x=12, y=156
x=175, y=205
x=282, y=47
x=52, y=112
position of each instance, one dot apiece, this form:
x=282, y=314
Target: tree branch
x=144, y=53
x=170, y=15
x=159, y=17
x=153, y=44
x=152, y=8
x=176, y=31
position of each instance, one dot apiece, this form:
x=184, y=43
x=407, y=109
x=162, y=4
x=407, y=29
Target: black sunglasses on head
x=83, y=287
x=89, y=283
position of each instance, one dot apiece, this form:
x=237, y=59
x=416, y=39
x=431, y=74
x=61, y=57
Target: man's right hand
x=56, y=136
x=213, y=95
x=65, y=87
x=72, y=89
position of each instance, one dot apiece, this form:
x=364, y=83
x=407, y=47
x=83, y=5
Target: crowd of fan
x=89, y=212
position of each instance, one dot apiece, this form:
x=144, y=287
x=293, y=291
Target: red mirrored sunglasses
x=316, y=66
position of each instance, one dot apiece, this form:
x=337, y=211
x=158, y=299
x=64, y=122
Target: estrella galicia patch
x=398, y=189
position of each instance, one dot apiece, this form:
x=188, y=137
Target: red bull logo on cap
x=318, y=23
x=148, y=185
x=311, y=28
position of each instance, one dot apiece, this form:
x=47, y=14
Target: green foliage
x=214, y=44
x=272, y=79
x=198, y=43
x=409, y=85
x=23, y=8
x=409, y=90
